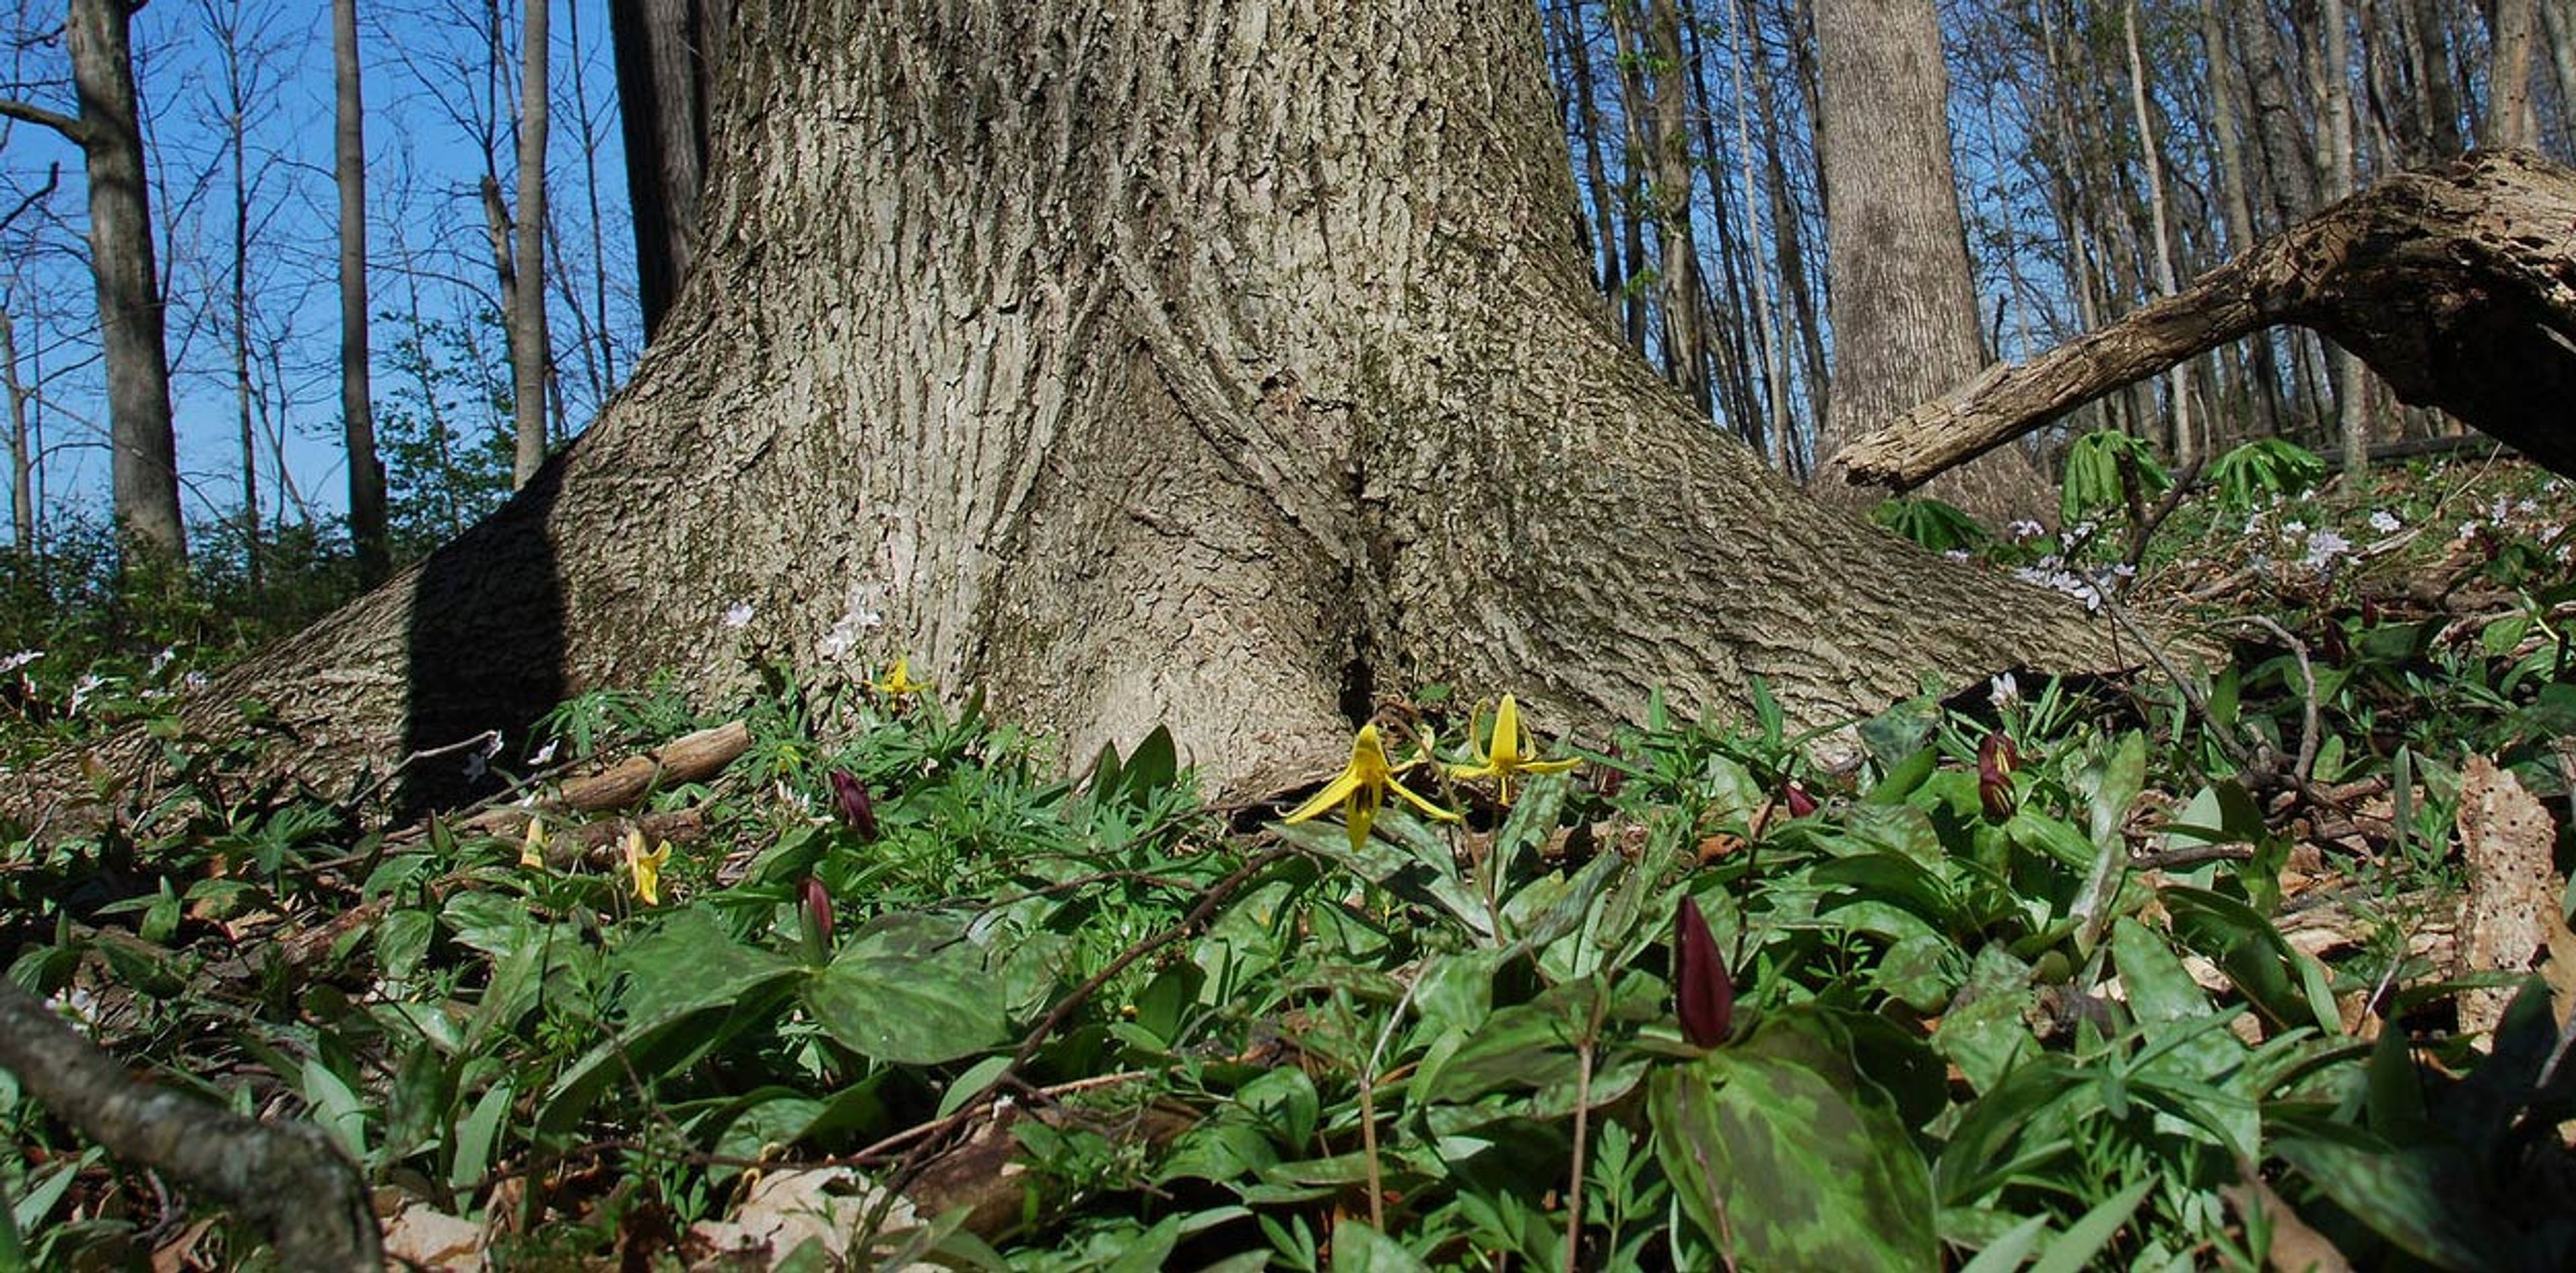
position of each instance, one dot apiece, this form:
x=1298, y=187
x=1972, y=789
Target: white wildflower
x=2324, y=546
x=478, y=762
x=738, y=614
x=12, y=662
x=2385, y=522
x=2003, y=691
x=2023, y=528
x=89, y=683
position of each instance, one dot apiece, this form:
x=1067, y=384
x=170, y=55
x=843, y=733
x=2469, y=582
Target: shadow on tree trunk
x=486, y=645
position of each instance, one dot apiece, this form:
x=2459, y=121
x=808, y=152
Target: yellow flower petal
x=646, y=867
x=1360, y=789
x=532, y=853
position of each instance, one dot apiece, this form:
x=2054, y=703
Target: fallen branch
x=2458, y=287
x=288, y=1178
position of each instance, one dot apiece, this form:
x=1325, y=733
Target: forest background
x=2104, y=150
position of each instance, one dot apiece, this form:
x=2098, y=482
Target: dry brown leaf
x=784, y=1209
x=425, y=1237
x=2295, y=1248
x=2509, y=920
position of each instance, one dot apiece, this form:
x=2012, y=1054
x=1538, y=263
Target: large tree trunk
x=1904, y=303
x=2458, y=286
x=1137, y=364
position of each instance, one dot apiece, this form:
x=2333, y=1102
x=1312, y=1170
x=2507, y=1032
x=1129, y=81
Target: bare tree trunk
x=1635, y=155
x=600, y=351
x=1596, y=180
x=1738, y=389
x=2513, y=120
x=368, y=534
x=1774, y=363
x=1904, y=304
x=530, y=353
x=145, y=469
x=236, y=106
x=1668, y=101
x=22, y=468
x=2352, y=389
x=1789, y=242
x=2558, y=27
x=666, y=52
x=1083, y=354
x=2186, y=443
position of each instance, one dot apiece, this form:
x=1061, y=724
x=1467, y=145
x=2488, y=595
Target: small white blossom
x=2292, y=530
x=1957, y=554
x=738, y=614
x=2469, y=529
x=162, y=660
x=2003, y=691
x=12, y=662
x=2324, y=546
x=842, y=637
x=193, y=681
x=77, y=1006
x=2023, y=528
x=545, y=755
x=478, y=762
x=89, y=683
x=2525, y=507
x=2385, y=522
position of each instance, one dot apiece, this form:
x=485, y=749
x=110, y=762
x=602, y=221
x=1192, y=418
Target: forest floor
x=2265, y=966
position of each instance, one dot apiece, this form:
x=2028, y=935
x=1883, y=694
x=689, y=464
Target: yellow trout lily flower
x=646, y=867
x=1509, y=753
x=898, y=681
x=532, y=853
x=1362, y=787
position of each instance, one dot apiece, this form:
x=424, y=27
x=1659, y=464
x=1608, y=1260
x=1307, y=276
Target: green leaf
x=2006, y=1252
x=1779, y=1168
x=909, y=991
x=402, y=942
x=1358, y=1248
x=336, y=1108
x=1146, y=1252
x=2409, y=1196
x=476, y=1135
x=685, y=967
x=2086, y=1237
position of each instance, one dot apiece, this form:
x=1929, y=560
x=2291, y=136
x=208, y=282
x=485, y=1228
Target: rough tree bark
x=2457, y=285
x=1217, y=366
x=144, y=473
x=1904, y=301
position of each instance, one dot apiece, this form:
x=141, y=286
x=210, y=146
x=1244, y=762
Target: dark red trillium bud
x=1702, y=990
x=856, y=809
x=1996, y=760
x=1800, y=803
x=816, y=908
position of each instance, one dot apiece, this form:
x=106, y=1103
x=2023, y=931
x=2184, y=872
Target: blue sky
x=432, y=101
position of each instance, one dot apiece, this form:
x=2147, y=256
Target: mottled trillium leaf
x=1780, y=1168
x=909, y=990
